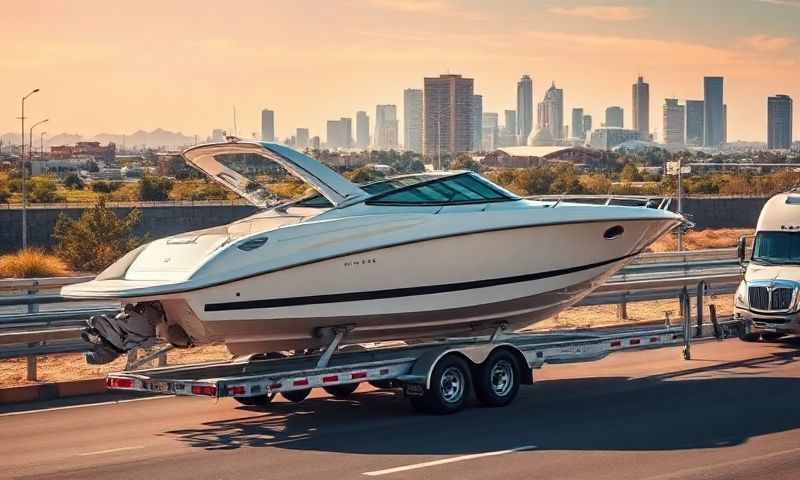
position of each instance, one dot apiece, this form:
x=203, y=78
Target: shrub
x=73, y=182
x=154, y=189
x=97, y=239
x=465, y=162
x=5, y=194
x=101, y=186
x=31, y=263
x=44, y=190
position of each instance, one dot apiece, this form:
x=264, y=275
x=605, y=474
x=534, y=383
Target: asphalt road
x=733, y=412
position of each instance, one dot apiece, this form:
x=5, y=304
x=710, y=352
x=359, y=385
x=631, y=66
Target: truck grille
x=760, y=298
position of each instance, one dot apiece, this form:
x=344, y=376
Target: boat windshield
x=780, y=248
x=459, y=189
x=374, y=188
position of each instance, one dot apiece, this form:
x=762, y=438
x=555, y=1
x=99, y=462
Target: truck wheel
x=450, y=387
x=497, y=379
x=256, y=401
x=341, y=391
x=772, y=336
x=296, y=395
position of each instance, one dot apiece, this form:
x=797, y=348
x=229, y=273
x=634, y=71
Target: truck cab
x=768, y=298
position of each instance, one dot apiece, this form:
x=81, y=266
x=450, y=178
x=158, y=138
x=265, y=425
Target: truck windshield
x=777, y=248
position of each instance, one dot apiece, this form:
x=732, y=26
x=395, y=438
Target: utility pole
x=24, y=169
x=680, y=201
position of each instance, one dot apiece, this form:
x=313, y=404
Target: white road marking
x=84, y=405
x=445, y=461
x=111, y=450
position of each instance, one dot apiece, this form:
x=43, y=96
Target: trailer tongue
x=437, y=377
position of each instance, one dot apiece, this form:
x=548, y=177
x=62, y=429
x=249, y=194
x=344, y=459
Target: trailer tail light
x=237, y=390
x=384, y=371
x=208, y=390
x=635, y=341
x=653, y=339
x=330, y=378
x=300, y=383
x=112, y=382
x=357, y=375
x=616, y=343
x=275, y=386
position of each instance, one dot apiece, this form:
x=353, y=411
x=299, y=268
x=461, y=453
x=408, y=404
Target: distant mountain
x=158, y=138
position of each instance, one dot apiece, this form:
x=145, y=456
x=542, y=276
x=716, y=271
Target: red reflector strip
x=275, y=386
x=209, y=390
x=636, y=341
x=357, y=375
x=616, y=343
x=119, y=382
x=330, y=378
x=237, y=390
x=653, y=339
x=384, y=371
x=300, y=383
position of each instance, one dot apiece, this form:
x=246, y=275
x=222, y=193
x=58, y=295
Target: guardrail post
x=687, y=318
x=133, y=355
x=622, y=311
x=701, y=290
x=162, y=359
x=30, y=360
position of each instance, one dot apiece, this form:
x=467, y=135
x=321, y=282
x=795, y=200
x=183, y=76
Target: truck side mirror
x=741, y=249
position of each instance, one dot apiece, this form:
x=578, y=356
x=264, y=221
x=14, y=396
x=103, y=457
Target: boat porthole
x=613, y=232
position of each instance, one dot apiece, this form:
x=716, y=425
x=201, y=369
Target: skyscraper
x=694, y=122
x=550, y=112
x=615, y=117
x=587, y=125
x=714, y=117
x=301, y=138
x=477, y=122
x=779, y=122
x=267, y=125
x=448, y=115
x=347, y=131
x=339, y=133
x=674, y=122
x=386, y=127
x=641, y=108
x=577, y=123
x=490, y=131
x=412, y=120
x=362, y=130
x=524, y=109
x=510, y=123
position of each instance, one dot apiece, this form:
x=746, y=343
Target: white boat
x=417, y=256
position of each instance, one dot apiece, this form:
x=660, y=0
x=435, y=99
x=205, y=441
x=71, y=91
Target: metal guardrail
x=137, y=204
x=652, y=276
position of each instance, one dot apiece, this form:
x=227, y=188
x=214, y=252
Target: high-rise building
x=301, y=138
x=577, y=123
x=587, y=125
x=714, y=115
x=477, y=122
x=491, y=130
x=448, y=115
x=362, y=130
x=725, y=123
x=674, y=122
x=779, y=122
x=606, y=138
x=695, y=122
x=615, y=117
x=510, y=122
x=315, y=142
x=550, y=113
x=386, y=127
x=524, y=110
x=412, y=120
x=347, y=127
x=267, y=125
x=340, y=133
x=641, y=108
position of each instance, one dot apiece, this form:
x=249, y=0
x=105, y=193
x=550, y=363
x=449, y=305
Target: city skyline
x=121, y=81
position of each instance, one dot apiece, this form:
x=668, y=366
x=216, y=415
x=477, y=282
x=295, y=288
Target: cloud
x=767, y=43
x=783, y=3
x=411, y=6
x=602, y=13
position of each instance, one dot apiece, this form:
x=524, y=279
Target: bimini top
x=210, y=159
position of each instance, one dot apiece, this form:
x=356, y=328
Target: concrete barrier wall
x=161, y=221
x=156, y=222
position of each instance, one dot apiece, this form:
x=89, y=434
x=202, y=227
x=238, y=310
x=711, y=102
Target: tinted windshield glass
x=318, y=201
x=464, y=188
x=777, y=247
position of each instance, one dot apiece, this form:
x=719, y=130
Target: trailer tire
x=296, y=395
x=256, y=401
x=450, y=386
x=497, y=379
x=341, y=391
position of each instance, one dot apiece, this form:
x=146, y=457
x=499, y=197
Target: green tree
x=365, y=175
x=630, y=173
x=5, y=194
x=44, y=190
x=465, y=162
x=101, y=186
x=566, y=180
x=97, y=239
x=73, y=182
x=154, y=189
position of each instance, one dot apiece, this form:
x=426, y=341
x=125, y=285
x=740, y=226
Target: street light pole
x=22, y=162
x=25, y=191
x=41, y=145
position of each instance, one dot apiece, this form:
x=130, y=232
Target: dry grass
x=701, y=239
x=31, y=263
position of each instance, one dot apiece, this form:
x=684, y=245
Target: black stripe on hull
x=401, y=292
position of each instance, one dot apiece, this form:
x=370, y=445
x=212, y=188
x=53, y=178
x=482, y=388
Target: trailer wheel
x=341, y=391
x=451, y=383
x=256, y=401
x=497, y=379
x=296, y=395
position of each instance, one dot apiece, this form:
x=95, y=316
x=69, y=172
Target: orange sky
x=182, y=65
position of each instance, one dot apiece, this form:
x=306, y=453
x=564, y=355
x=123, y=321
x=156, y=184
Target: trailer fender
x=422, y=369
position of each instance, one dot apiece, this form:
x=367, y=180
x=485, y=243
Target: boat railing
x=660, y=203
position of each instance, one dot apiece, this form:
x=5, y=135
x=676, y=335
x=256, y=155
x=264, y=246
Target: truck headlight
x=741, y=296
